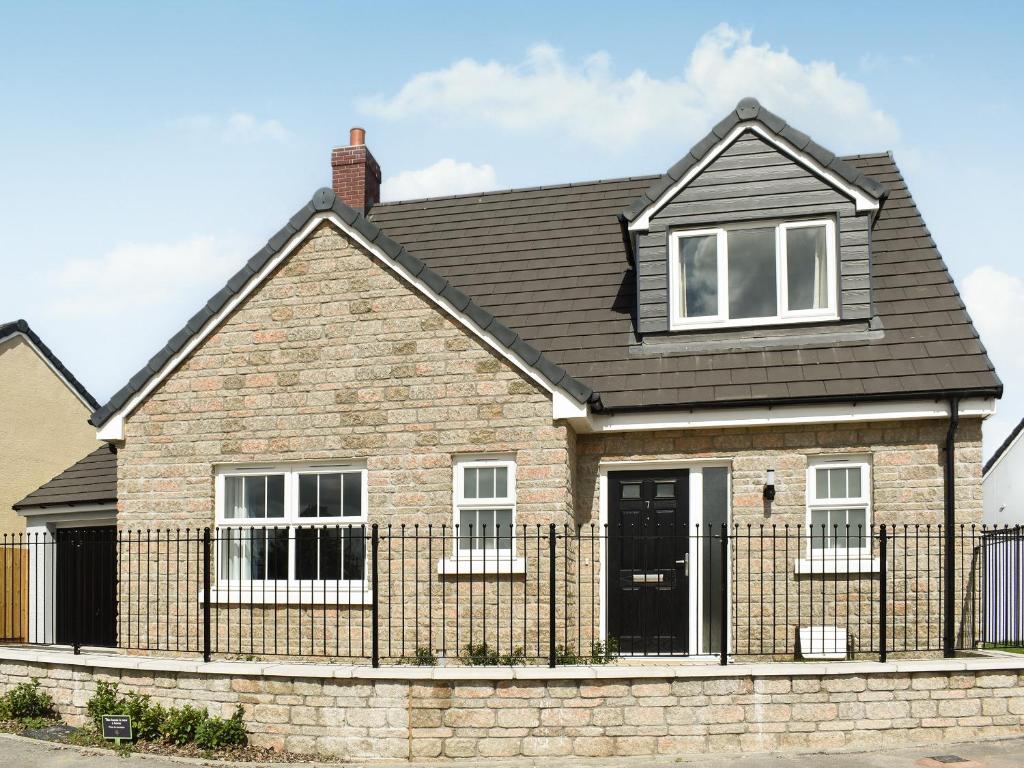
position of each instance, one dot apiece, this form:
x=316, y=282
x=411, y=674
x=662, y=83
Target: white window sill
x=293, y=595
x=839, y=564
x=478, y=566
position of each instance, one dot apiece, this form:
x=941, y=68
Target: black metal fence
x=532, y=594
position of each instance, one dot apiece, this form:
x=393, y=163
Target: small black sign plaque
x=117, y=727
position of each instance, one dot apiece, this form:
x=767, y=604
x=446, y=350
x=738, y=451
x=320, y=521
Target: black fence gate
x=86, y=563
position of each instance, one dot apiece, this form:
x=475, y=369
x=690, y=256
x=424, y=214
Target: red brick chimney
x=355, y=173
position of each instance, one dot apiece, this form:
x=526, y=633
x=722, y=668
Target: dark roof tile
x=90, y=480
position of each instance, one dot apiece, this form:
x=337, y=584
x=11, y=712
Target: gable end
x=325, y=206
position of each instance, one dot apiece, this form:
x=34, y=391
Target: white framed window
x=838, y=507
x=753, y=274
x=485, y=505
x=287, y=532
x=484, y=532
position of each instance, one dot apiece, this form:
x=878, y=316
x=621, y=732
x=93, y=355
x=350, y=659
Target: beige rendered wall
x=43, y=426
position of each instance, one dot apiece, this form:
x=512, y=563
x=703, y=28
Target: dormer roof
x=749, y=115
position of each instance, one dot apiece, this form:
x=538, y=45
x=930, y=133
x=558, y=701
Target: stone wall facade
x=353, y=713
x=335, y=359
x=768, y=600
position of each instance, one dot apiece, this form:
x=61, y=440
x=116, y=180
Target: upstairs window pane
x=698, y=258
x=807, y=268
x=752, y=283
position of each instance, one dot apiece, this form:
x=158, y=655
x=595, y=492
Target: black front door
x=648, y=544
x=87, y=586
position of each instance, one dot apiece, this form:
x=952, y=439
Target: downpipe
x=949, y=555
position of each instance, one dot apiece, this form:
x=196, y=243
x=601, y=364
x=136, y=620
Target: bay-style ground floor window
x=291, y=531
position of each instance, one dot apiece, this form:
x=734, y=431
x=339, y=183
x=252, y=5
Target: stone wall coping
x=626, y=671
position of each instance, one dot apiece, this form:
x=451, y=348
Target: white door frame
x=696, y=517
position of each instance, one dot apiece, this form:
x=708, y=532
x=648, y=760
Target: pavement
x=20, y=752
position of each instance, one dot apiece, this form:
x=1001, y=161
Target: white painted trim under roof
x=113, y=428
x=50, y=365
x=780, y=415
x=862, y=200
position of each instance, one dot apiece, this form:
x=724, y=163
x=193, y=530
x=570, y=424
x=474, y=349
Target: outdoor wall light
x=769, y=485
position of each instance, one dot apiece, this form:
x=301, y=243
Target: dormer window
x=752, y=274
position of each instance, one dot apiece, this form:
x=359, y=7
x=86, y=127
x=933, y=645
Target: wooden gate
x=14, y=568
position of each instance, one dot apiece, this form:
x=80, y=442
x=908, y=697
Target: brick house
x=764, y=338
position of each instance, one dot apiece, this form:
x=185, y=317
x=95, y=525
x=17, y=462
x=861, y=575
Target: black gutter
x=949, y=630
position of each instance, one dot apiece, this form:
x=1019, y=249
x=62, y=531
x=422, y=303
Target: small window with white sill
x=838, y=510
x=485, y=517
x=286, y=530
x=753, y=274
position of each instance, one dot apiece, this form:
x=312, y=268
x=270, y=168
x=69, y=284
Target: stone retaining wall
x=356, y=712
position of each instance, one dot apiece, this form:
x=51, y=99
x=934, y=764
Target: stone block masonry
x=446, y=713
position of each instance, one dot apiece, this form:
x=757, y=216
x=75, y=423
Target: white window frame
x=839, y=559
x=482, y=561
x=291, y=589
x=678, y=322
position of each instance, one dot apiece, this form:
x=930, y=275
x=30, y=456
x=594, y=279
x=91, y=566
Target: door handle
x=685, y=562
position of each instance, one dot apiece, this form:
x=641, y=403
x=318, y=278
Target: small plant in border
x=424, y=657
x=482, y=655
x=26, y=702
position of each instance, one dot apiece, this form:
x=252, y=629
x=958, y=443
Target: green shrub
x=222, y=732
x=26, y=701
x=147, y=718
x=425, y=657
x=181, y=725
x=103, y=702
x=482, y=655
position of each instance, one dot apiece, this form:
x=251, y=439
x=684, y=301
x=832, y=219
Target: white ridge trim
x=862, y=200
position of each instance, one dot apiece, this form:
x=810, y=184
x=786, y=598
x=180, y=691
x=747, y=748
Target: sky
x=147, y=150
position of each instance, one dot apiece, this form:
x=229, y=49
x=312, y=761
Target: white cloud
x=994, y=299
x=239, y=128
x=445, y=177
x=590, y=102
x=145, y=278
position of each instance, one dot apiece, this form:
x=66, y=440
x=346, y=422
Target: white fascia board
x=831, y=413
x=83, y=514
x=53, y=368
x=112, y=429
x=862, y=200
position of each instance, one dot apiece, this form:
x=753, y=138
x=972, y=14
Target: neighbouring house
x=1003, y=481
x=45, y=413
x=732, y=409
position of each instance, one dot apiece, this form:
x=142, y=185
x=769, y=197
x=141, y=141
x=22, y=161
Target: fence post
x=723, y=638
x=76, y=638
x=552, y=656
x=375, y=636
x=206, y=593
x=882, y=593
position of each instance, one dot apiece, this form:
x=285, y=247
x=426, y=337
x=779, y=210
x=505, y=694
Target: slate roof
x=1003, y=447
x=90, y=480
x=20, y=326
x=549, y=274
x=551, y=262
x=326, y=200
x=750, y=109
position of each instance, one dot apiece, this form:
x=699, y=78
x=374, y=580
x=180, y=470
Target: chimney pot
x=356, y=137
